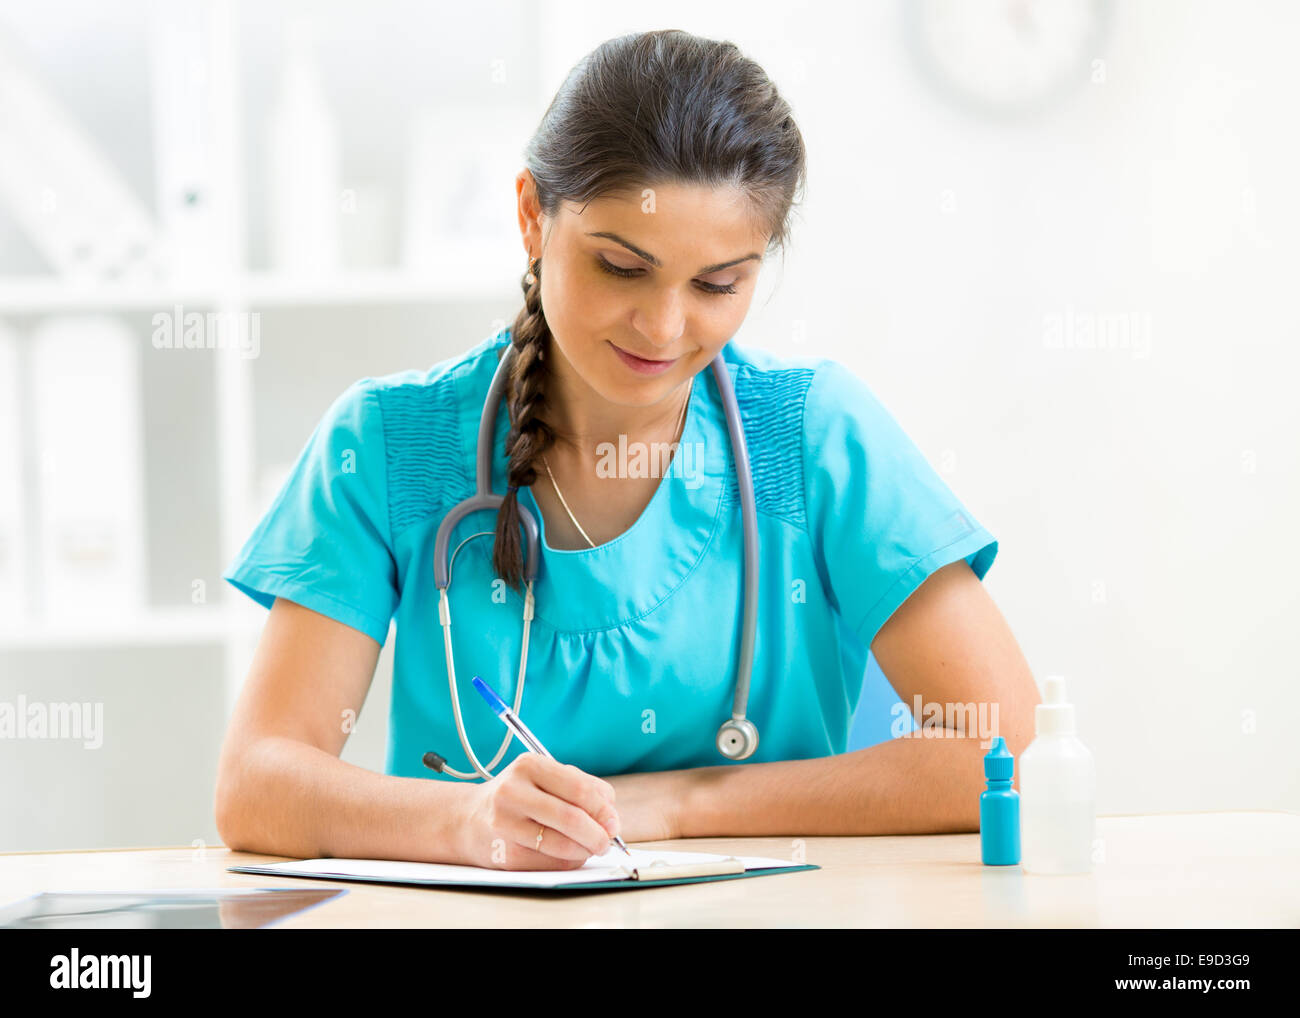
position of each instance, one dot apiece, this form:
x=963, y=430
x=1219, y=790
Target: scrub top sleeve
x=325, y=541
x=880, y=517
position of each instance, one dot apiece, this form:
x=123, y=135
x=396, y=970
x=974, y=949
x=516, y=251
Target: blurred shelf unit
x=39, y=295
x=157, y=627
x=451, y=252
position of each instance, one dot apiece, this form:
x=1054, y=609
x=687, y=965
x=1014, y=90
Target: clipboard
x=604, y=874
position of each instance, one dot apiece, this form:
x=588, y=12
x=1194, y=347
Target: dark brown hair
x=641, y=110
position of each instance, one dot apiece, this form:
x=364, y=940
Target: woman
x=663, y=171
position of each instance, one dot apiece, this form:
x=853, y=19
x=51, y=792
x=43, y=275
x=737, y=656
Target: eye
x=615, y=270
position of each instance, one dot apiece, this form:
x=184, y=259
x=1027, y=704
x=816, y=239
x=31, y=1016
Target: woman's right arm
x=282, y=789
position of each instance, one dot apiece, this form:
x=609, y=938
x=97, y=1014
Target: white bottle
x=1058, y=791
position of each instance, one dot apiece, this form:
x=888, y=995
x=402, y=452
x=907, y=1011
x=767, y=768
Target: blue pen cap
x=999, y=764
x=495, y=702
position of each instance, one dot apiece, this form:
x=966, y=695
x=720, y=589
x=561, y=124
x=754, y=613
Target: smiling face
x=669, y=280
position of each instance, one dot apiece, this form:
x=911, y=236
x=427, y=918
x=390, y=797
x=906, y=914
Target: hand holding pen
x=536, y=749
x=503, y=711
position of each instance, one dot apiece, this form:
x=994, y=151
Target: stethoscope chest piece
x=737, y=739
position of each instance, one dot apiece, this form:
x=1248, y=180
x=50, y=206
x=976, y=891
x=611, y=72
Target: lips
x=643, y=365
x=649, y=360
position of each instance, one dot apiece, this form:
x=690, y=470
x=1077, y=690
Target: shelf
x=453, y=282
x=42, y=294
x=156, y=627
x=382, y=286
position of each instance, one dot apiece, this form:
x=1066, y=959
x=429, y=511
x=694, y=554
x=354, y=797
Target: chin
x=637, y=393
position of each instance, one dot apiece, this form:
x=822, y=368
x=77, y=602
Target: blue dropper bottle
x=999, y=809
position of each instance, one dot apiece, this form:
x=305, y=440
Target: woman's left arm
x=947, y=644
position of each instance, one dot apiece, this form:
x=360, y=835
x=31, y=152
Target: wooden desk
x=1229, y=869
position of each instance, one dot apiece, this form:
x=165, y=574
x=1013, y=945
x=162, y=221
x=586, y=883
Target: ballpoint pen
x=503, y=711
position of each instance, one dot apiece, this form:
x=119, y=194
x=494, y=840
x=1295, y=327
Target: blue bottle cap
x=999, y=764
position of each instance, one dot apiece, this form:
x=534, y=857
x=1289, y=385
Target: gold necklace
x=676, y=431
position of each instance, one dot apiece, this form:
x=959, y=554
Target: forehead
x=690, y=216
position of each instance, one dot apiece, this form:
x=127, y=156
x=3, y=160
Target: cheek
x=714, y=327
x=579, y=327
x=579, y=306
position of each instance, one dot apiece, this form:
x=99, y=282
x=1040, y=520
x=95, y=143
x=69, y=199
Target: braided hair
x=638, y=111
x=530, y=436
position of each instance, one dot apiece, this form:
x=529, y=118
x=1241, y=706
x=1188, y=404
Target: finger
x=555, y=846
x=565, y=820
x=584, y=791
x=520, y=858
x=564, y=817
x=571, y=783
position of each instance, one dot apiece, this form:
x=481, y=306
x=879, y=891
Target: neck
x=583, y=419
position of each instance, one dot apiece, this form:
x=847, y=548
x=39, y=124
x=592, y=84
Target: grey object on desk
x=237, y=908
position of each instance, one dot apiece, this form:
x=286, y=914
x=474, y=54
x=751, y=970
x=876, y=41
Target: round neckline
x=580, y=590
x=650, y=509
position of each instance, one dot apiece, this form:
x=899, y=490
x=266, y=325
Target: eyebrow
x=658, y=264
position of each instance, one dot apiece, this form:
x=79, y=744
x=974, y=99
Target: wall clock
x=1008, y=58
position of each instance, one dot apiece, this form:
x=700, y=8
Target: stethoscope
x=738, y=736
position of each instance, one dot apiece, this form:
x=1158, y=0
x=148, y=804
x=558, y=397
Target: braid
x=530, y=436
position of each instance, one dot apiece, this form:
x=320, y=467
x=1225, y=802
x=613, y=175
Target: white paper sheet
x=613, y=865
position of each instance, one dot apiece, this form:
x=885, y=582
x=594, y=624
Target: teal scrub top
x=633, y=652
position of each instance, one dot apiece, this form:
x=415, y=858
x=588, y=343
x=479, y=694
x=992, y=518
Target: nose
x=661, y=320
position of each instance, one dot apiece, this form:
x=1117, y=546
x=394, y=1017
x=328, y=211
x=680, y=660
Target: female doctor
x=664, y=170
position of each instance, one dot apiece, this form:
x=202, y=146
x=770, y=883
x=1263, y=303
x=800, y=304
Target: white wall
x=1142, y=503
x=1137, y=499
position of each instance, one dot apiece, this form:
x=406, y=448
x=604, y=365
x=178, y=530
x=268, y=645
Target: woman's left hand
x=647, y=805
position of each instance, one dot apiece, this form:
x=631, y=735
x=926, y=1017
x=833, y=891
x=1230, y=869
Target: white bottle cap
x=1054, y=716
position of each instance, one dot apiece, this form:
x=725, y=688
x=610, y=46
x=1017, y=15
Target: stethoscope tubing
x=484, y=499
